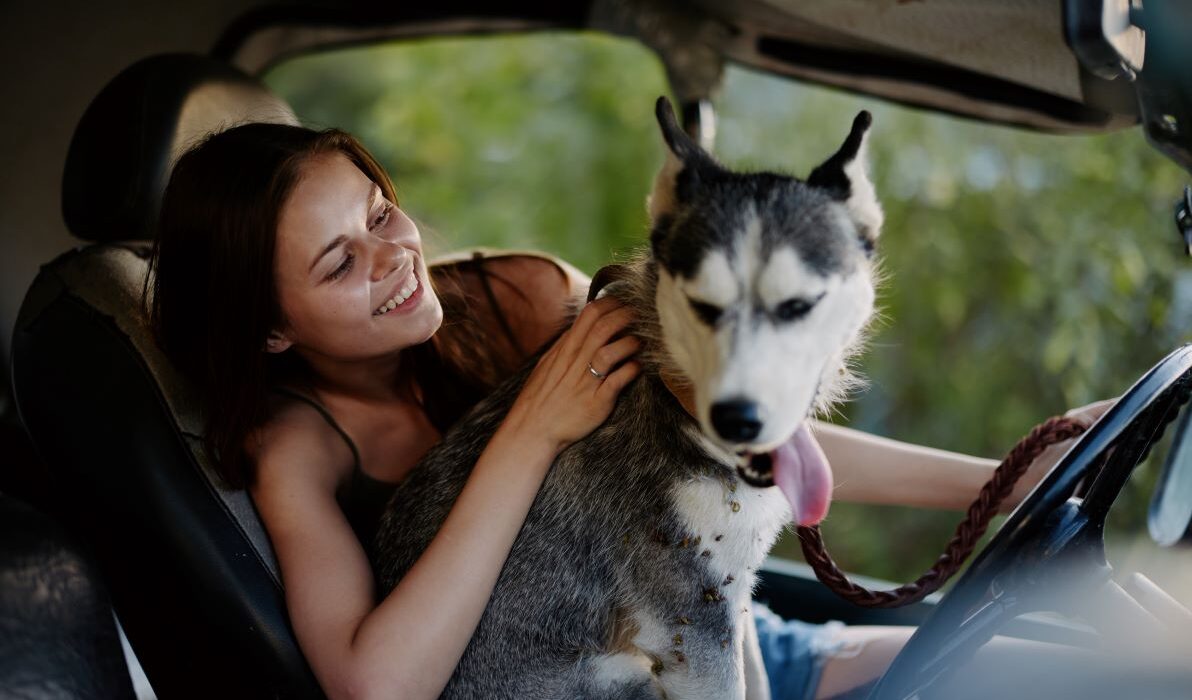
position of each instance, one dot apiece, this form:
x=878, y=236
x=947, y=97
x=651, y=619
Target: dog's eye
x=792, y=309
x=708, y=313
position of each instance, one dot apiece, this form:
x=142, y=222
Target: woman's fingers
x=603, y=330
x=573, y=339
x=606, y=359
x=573, y=388
x=615, y=382
x=1047, y=459
x=1087, y=415
x=596, y=325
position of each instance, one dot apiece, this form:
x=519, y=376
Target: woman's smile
x=405, y=298
x=336, y=214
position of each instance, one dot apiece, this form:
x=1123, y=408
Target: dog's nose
x=736, y=421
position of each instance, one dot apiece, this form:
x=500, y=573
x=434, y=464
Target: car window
x=1025, y=273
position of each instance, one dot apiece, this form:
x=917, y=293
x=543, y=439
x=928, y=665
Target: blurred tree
x=1026, y=273
x=510, y=141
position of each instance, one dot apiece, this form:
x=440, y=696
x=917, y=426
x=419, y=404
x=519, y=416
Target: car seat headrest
x=136, y=128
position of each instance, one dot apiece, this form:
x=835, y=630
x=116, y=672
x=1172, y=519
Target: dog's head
x=765, y=283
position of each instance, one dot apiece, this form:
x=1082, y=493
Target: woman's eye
x=383, y=217
x=344, y=268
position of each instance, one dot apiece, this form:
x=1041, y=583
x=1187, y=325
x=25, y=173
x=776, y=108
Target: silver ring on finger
x=595, y=372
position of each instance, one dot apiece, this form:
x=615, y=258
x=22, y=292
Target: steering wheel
x=1051, y=542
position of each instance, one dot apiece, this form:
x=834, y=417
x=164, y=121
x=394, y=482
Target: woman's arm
x=872, y=469
x=409, y=644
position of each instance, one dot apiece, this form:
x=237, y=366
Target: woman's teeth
x=404, y=293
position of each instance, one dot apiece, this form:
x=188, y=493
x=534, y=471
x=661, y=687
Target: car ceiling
x=996, y=60
x=1014, y=69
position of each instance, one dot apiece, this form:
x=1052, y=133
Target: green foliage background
x=1026, y=273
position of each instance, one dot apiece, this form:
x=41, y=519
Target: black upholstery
x=187, y=563
x=133, y=131
x=57, y=635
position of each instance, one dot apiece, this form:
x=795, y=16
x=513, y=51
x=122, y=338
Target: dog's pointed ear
x=682, y=154
x=680, y=144
x=843, y=176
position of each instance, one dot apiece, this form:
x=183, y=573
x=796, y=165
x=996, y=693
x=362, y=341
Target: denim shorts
x=794, y=652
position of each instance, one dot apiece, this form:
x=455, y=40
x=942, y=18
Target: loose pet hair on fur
x=633, y=572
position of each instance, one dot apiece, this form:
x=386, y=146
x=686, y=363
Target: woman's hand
x=563, y=399
x=1085, y=415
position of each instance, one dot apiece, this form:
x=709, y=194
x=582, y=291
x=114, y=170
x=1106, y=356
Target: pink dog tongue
x=802, y=473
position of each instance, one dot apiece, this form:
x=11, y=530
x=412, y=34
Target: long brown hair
x=212, y=298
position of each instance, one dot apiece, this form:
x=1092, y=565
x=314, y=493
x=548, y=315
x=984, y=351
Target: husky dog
x=632, y=575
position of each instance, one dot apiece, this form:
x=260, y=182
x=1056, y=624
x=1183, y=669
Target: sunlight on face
x=345, y=258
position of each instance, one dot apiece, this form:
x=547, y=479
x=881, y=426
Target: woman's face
x=349, y=268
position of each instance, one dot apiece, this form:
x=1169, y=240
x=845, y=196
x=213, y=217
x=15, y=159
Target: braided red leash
x=961, y=545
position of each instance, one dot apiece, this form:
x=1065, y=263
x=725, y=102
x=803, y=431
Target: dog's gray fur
x=609, y=591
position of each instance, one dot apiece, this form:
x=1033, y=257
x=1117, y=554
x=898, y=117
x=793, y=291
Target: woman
x=291, y=288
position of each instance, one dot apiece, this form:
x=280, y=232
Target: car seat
x=57, y=635
x=190, y=571
x=189, y=568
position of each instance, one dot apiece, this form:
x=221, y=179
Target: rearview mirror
x=1170, y=517
x=1146, y=44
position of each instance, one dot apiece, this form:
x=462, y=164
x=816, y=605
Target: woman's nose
x=387, y=257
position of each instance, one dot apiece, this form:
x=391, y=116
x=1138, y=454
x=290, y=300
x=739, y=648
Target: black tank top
x=363, y=497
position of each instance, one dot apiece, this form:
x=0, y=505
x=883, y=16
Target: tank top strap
x=476, y=256
x=478, y=264
x=310, y=401
x=363, y=498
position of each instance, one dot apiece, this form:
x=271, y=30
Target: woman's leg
x=793, y=652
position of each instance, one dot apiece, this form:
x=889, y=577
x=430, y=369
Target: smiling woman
x=224, y=289
x=334, y=293
x=294, y=293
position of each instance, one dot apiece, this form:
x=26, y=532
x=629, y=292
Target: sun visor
x=1002, y=61
x=132, y=133
x=992, y=60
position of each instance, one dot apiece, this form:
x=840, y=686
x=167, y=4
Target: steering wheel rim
x=1047, y=527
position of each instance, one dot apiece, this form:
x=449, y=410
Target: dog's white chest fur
x=735, y=526
x=729, y=529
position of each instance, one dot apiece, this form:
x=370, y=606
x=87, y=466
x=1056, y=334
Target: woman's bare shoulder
x=540, y=278
x=296, y=443
x=545, y=276
x=536, y=293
